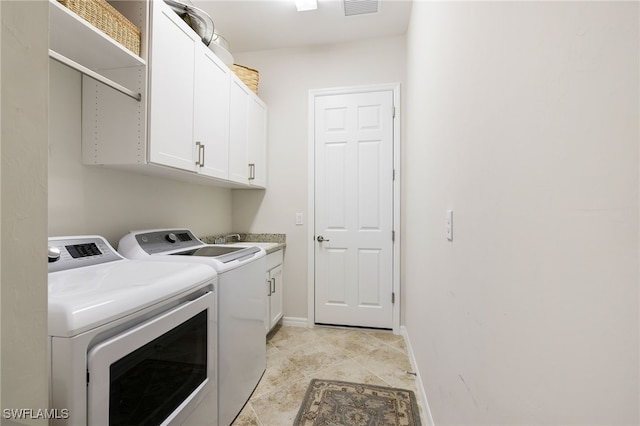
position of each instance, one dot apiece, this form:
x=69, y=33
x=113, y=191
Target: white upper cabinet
x=247, y=136
x=195, y=120
x=211, y=114
x=257, y=147
x=171, y=94
x=239, y=132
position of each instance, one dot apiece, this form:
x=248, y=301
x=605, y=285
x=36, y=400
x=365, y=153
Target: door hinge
x=393, y=297
x=393, y=235
x=393, y=112
x=87, y=377
x=394, y=174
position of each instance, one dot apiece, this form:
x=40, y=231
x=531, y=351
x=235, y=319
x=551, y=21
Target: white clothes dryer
x=130, y=342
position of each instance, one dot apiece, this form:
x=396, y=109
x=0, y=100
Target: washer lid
x=178, y=245
x=84, y=298
x=224, y=254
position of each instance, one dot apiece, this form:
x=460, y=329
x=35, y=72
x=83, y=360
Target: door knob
x=321, y=239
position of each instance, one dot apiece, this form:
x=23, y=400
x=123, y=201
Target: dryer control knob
x=53, y=254
x=171, y=237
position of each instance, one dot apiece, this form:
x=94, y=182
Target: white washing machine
x=130, y=342
x=242, y=299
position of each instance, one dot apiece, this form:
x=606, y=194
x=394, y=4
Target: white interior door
x=354, y=207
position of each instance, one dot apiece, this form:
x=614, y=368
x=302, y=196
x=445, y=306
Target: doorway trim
x=395, y=88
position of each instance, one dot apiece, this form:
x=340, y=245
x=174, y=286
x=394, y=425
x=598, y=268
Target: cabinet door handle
x=202, y=162
x=252, y=171
x=269, y=285
x=199, y=146
x=273, y=280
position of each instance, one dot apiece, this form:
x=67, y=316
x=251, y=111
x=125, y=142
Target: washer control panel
x=77, y=252
x=164, y=240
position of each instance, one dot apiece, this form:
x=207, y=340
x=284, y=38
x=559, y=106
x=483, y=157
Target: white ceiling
x=250, y=25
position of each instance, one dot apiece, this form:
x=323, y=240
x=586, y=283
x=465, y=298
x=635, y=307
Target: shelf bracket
x=96, y=76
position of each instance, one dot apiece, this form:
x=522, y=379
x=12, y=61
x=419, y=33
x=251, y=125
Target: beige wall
x=523, y=118
x=286, y=76
x=23, y=190
x=95, y=200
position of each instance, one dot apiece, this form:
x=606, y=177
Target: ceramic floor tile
x=390, y=365
x=280, y=407
x=386, y=355
x=247, y=417
x=279, y=372
x=290, y=337
x=314, y=356
x=399, y=345
x=353, y=343
x=348, y=371
x=385, y=336
x=322, y=331
x=271, y=349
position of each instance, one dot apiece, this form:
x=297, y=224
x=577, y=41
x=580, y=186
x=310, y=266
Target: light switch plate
x=299, y=220
x=450, y=225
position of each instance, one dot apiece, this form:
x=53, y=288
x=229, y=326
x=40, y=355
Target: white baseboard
x=295, y=321
x=422, y=395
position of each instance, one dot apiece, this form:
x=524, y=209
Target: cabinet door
x=257, y=139
x=211, y=114
x=267, y=310
x=172, y=57
x=238, y=131
x=275, y=300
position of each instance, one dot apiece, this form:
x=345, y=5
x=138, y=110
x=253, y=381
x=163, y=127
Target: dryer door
x=156, y=372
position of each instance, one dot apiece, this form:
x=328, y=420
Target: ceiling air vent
x=360, y=7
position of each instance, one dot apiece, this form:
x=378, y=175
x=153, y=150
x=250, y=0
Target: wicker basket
x=107, y=19
x=249, y=76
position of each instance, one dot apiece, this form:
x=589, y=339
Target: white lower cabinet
x=274, y=289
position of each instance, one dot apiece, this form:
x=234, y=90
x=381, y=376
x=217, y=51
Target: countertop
x=269, y=242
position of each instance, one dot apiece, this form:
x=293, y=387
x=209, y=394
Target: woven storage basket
x=249, y=76
x=107, y=19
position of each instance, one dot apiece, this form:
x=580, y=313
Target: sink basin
x=221, y=253
x=216, y=251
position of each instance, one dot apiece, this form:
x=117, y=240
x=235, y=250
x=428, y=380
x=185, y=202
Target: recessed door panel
x=369, y=117
x=337, y=282
x=369, y=285
x=336, y=196
x=335, y=120
x=369, y=185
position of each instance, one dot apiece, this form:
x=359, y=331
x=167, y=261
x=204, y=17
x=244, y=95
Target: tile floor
x=295, y=355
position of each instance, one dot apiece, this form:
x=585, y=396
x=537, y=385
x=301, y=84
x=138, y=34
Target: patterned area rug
x=333, y=403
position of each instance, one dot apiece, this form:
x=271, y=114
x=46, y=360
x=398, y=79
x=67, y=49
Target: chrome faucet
x=237, y=236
